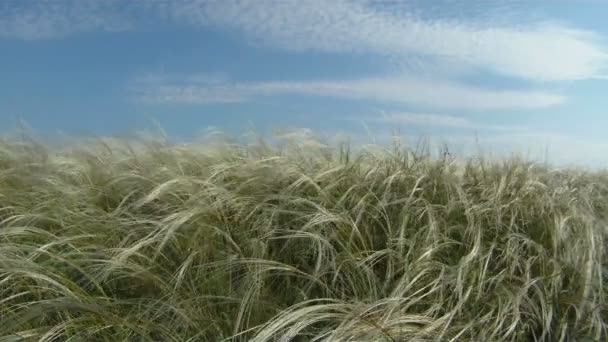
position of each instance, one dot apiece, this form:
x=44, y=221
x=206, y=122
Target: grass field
x=149, y=241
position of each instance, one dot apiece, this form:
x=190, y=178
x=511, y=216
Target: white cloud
x=435, y=120
x=48, y=19
x=406, y=90
x=559, y=149
x=533, y=144
x=542, y=52
x=427, y=119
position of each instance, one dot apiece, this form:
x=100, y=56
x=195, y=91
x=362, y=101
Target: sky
x=525, y=76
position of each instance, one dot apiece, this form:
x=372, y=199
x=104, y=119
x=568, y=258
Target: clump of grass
x=149, y=241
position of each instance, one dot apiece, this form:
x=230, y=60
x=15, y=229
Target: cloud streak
x=562, y=149
x=33, y=20
x=406, y=90
x=428, y=120
x=543, y=52
x=436, y=120
x=538, y=52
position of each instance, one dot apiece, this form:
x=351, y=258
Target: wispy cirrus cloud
x=541, y=52
x=48, y=19
x=556, y=148
x=404, y=90
x=435, y=120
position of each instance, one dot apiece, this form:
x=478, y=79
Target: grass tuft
x=296, y=241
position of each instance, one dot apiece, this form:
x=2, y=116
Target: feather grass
x=298, y=240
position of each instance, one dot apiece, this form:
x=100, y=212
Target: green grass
x=148, y=241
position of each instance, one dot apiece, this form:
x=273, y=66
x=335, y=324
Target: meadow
x=146, y=240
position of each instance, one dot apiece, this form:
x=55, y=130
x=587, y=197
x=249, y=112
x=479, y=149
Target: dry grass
x=148, y=241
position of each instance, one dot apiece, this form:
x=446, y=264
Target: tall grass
x=149, y=241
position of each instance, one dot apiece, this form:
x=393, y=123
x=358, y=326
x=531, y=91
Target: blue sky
x=513, y=75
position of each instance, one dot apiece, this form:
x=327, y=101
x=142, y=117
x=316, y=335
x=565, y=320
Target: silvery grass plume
x=296, y=239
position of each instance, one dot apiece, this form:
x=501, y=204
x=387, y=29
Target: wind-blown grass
x=118, y=241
